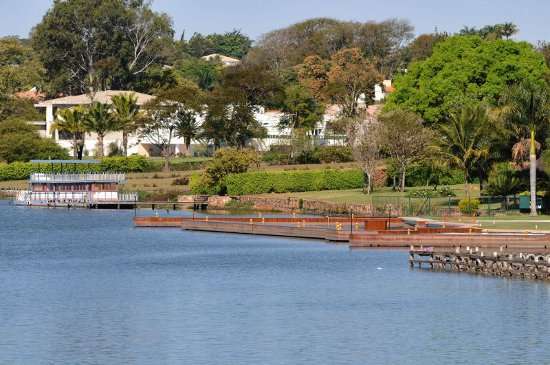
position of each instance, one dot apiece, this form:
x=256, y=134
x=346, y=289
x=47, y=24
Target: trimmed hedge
x=293, y=181
x=22, y=170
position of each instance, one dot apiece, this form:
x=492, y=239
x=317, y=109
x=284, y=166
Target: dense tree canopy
x=19, y=66
x=463, y=69
x=99, y=43
x=232, y=44
x=288, y=47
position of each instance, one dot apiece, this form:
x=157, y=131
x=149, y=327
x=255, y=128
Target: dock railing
x=76, y=178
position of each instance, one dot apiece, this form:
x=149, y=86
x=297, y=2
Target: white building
x=382, y=90
x=50, y=108
x=269, y=119
x=224, y=60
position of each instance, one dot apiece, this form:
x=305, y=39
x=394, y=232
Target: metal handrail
x=74, y=178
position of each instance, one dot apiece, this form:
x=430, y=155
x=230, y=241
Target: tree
x=289, y=46
x=350, y=76
x=72, y=121
x=404, y=138
x=125, y=113
x=19, y=67
x=190, y=100
x=465, y=139
x=422, y=46
x=365, y=139
x=163, y=116
x=313, y=74
x=464, y=70
x=527, y=112
x=100, y=120
x=98, y=44
x=205, y=74
x=226, y=161
x=19, y=141
x=233, y=44
x=496, y=31
x=301, y=114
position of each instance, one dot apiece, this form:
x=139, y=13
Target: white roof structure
x=100, y=96
x=226, y=61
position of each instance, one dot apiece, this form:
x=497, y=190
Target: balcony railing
x=78, y=178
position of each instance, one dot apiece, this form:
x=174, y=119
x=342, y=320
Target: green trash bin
x=525, y=203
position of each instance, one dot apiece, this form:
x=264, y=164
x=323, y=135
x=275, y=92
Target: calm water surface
x=85, y=287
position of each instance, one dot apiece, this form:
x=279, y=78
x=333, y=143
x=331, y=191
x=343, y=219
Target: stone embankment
x=533, y=264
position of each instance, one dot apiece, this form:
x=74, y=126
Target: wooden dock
x=361, y=232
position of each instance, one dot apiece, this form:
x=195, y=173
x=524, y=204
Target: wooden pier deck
x=364, y=232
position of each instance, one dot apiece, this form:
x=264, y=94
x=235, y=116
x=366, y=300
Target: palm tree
x=187, y=126
x=72, y=121
x=125, y=112
x=465, y=139
x=526, y=111
x=509, y=29
x=99, y=119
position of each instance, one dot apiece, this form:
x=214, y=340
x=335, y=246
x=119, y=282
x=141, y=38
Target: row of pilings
x=527, y=265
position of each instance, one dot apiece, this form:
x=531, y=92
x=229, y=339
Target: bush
x=292, y=181
x=125, y=164
x=181, y=181
x=22, y=170
x=329, y=154
x=502, y=180
x=423, y=174
x=276, y=158
x=468, y=206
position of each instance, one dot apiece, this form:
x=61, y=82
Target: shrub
x=276, y=158
x=125, y=164
x=468, y=206
x=421, y=174
x=503, y=180
x=181, y=181
x=329, y=154
x=293, y=181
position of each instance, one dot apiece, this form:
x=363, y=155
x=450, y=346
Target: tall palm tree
x=72, y=121
x=526, y=111
x=125, y=113
x=99, y=119
x=466, y=139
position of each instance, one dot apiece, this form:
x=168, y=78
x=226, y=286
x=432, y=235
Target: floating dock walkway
x=358, y=232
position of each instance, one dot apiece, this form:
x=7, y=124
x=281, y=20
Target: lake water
x=85, y=287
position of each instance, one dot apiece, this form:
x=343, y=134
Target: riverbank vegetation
x=469, y=108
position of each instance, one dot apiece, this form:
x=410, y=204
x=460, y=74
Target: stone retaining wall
x=309, y=206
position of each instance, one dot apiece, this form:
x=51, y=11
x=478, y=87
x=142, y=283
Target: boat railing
x=75, y=178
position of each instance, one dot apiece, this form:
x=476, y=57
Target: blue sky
x=255, y=17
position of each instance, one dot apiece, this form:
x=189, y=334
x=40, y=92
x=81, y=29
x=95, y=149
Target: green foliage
x=463, y=70
x=426, y=173
x=503, y=180
x=105, y=44
x=19, y=68
x=226, y=161
x=233, y=44
x=293, y=181
x=329, y=154
x=468, y=206
x=276, y=158
x=443, y=191
x=22, y=170
x=125, y=164
x=19, y=141
x=205, y=74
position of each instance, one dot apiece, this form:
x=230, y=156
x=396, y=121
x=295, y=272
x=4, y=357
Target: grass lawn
x=356, y=196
